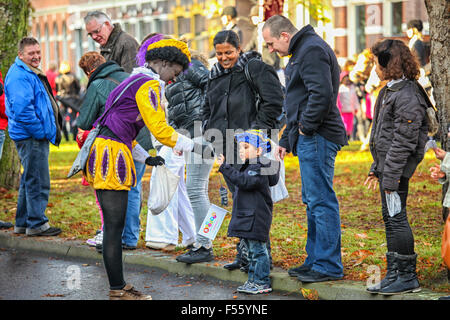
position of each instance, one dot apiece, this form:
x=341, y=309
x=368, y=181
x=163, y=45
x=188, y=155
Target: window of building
x=64, y=42
x=55, y=42
x=397, y=15
x=158, y=26
x=184, y=25
x=360, y=18
x=47, y=45
x=200, y=24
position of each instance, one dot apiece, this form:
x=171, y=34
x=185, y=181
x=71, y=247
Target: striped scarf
x=217, y=70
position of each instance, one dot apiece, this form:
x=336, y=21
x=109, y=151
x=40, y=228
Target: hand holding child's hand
x=440, y=154
x=436, y=172
x=220, y=159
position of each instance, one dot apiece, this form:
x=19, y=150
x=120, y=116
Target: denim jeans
x=130, y=235
x=2, y=141
x=197, y=180
x=259, y=263
x=34, y=187
x=316, y=157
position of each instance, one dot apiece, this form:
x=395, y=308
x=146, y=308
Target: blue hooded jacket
x=28, y=106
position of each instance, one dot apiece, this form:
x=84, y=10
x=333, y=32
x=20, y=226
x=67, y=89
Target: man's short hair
x=27, y=41
x=415, y=24
x=229, y=11
x=101, y=17
x=278, y=24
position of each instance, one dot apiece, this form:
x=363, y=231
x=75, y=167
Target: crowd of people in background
x=162, y=95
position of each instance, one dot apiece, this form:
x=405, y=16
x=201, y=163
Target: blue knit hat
x=256, y=138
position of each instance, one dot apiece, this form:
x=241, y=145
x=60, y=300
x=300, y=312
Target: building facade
x=59, y=25
x=357, y=24
x=349, y=26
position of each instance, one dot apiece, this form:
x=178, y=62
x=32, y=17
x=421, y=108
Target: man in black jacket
x=315, y=133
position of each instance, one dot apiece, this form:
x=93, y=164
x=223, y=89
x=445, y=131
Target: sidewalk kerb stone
x=281, y=281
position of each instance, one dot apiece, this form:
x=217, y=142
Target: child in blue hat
x=252, y=205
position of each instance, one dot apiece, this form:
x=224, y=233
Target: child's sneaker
x=253, y=288
x=244, y=287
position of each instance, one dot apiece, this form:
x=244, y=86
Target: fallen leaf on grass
x=182, y=285
x=361, y=235
x=310, y=294
x=53, y=295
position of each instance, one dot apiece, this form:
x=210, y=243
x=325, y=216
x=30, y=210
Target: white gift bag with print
x=212, y=222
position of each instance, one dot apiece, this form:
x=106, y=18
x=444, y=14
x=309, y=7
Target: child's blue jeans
x=259, y=263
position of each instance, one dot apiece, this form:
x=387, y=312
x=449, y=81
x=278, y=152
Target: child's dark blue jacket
x=252, y=202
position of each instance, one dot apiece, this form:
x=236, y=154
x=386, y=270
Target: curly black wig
x=171, y=54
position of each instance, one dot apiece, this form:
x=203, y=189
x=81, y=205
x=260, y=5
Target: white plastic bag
x=163, y=187
x=278, y=191
x=394, y=203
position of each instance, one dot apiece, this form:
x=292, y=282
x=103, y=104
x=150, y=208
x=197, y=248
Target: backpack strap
x=113, y=80
x=422, y=91
x=252, y=84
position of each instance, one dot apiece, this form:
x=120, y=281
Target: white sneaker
x=98, y=239
x=160, y=246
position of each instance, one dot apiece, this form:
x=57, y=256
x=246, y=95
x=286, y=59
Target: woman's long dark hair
x=227, y=36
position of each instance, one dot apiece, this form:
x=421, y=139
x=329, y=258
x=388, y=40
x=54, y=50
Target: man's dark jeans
x=34, y=184
x=316, y=157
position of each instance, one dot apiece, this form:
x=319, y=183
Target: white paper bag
x=212, y=222
x=162, y=188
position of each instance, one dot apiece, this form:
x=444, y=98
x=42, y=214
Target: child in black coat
x=252, y=205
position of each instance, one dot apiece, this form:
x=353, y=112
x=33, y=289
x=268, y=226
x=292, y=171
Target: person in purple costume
x=133, y=104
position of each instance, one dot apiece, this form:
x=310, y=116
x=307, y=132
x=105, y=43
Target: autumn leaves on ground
x=72, y=207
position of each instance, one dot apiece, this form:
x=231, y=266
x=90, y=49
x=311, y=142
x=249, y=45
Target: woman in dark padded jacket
x=397, y=141
x=185, y=99
x=230, y=103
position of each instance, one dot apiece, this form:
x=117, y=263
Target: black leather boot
x=391, y=274
x=407, y=278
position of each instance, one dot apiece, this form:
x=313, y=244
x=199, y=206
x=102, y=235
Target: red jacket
x=3, y=117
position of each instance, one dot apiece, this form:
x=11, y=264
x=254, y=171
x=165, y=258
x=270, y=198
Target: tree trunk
x=14, y=16
x=439, y=20
x=438, y=17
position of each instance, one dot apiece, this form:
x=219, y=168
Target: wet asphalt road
x=33, y=276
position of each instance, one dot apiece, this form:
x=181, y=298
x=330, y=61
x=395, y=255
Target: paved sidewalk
x=333, y=290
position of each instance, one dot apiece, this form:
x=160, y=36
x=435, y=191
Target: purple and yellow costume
x=110, y=164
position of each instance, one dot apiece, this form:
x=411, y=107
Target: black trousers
x=114, y=206
x=399, y=236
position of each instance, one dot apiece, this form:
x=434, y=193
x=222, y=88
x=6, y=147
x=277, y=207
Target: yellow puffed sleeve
x=148, y=99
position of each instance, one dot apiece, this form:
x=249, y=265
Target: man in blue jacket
x=314, y=133
x=34, y=121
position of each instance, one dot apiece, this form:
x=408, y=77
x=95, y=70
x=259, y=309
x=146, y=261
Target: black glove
x=155, y=161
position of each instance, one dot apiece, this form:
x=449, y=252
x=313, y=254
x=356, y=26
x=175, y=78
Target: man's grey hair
x=26, y=41
x=101, y=17
x=278, y=24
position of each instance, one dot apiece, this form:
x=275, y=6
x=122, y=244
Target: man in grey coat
x=115, y=44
